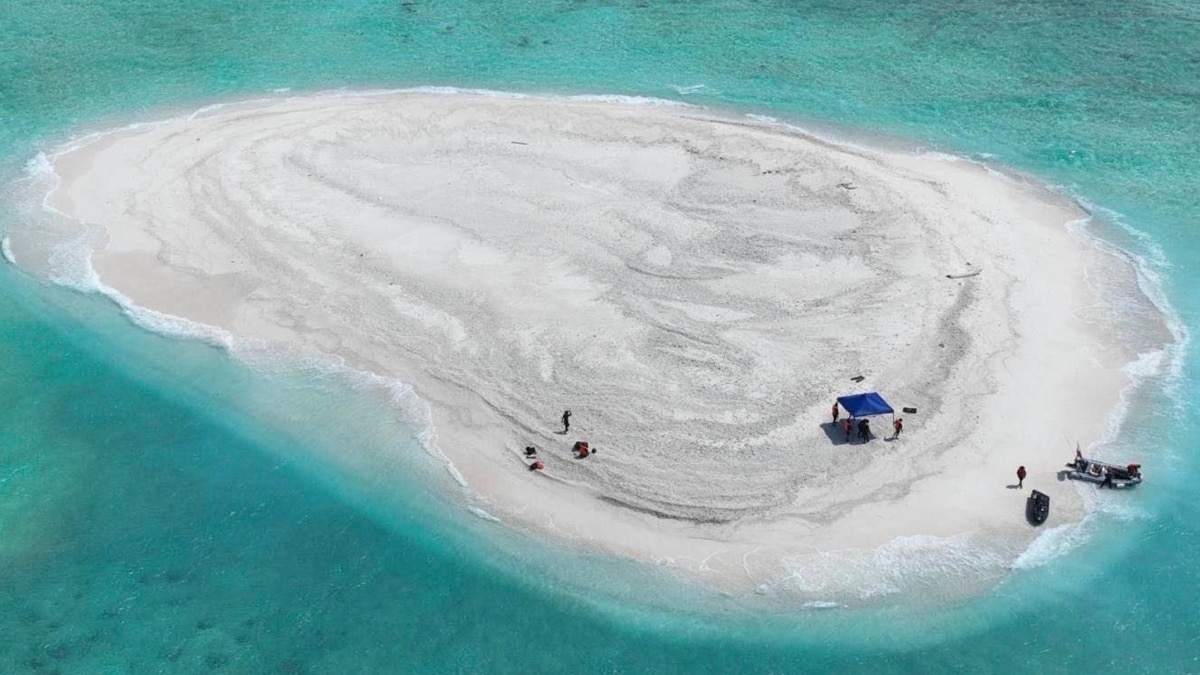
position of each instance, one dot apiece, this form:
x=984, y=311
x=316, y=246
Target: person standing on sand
x=566, y=419
x=1020, y=477
x=898, y=425
x=835, y=412
x=847, y=425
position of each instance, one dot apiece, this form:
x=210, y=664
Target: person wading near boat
x=1020, y=477
x=566, y=419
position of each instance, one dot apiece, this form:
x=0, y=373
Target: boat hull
x=1103, y=473
x=1037, y=508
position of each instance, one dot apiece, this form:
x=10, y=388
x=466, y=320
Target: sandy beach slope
x=697, y=289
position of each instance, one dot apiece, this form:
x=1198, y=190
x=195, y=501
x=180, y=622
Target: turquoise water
x=163, y=509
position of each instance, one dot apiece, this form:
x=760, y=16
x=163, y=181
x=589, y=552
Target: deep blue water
x=161, y=509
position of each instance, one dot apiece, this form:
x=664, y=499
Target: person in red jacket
x=1020, y=477
x=898, y=426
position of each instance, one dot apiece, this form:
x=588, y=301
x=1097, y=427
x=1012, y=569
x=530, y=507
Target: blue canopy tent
x=865, y=405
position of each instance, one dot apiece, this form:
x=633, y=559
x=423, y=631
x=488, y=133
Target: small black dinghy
x=1037, y=508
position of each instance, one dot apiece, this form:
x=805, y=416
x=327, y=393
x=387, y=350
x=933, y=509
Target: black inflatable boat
x=1037, y=508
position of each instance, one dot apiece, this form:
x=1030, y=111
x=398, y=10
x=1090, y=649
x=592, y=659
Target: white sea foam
x=1151, y=264
x=6, y=248
x=630, y=100
x=40, y=173
x=71, y=263
x=168, y=324
x=903, y=565
x=1052, y=544
x=821, y=604
x=1104, y=510
x=413, y=411
x=71, y=266
x=37, y=169
x=1147, y=365
x=484, y=514
x=767, y=119
x=417, y=412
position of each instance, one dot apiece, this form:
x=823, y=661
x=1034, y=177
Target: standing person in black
x=566, y=418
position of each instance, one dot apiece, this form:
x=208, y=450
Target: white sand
x=696, y=289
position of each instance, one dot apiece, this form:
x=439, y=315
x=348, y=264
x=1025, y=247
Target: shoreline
x=809, y=520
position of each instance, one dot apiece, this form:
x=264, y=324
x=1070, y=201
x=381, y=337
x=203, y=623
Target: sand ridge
x=695, y=288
